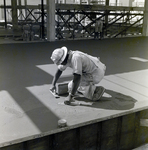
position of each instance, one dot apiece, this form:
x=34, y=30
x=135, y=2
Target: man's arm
x=76, y=82
x=55, y=78
x=75, y=85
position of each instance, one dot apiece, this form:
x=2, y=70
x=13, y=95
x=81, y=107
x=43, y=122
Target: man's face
x=64, y=62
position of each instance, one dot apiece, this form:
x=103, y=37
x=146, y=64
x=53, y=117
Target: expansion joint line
x=126, y=87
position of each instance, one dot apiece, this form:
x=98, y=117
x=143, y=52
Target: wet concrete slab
x=28, y=110
x=122, y=96
x=143, y=147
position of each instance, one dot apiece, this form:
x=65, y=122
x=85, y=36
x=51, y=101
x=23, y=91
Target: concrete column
x=25, y=2
x=14, y=14
x=145, y=20
x=42, y=10
x=106, y=17
x=51, y=20
x=5, y=14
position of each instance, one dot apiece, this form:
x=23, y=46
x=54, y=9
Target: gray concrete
x=143, y=147
x=28, y=110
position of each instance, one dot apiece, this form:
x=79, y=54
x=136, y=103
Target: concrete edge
x=58, y=130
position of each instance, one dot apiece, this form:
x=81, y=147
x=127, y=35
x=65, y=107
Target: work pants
x=88, y=80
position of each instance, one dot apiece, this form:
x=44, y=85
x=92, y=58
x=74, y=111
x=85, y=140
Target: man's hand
x=53, y=88
x=70, y=101
x=56, y=77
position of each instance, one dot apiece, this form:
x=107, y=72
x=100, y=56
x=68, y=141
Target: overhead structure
x=56, y=20
x=78, y=21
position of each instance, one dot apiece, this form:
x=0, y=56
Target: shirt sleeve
x=77, y=64
x=62, y=67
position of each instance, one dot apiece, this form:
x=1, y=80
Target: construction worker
x=87, y=71
x=98, y=29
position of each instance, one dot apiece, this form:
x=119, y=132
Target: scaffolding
x=76, y=21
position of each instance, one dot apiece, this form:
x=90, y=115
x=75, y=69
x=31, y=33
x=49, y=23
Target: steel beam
x=97, y=7
x=145, y=21
x=5, y=14
x=42, y=10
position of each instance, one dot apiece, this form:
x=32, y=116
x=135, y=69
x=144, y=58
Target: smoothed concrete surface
x=143, y=147
x=29, y=110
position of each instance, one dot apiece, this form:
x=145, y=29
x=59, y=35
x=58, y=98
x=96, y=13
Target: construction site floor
x=28, y=110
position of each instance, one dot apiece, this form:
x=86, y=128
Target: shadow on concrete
x=39, y=114
x=116, y=101
x=18, y=70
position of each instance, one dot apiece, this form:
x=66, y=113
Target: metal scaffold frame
x=80, y=22
x=73, y=21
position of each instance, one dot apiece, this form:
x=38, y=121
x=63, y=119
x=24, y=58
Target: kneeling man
x=87, y=71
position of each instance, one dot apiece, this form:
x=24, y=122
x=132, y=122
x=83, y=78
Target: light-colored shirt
x=79, y=63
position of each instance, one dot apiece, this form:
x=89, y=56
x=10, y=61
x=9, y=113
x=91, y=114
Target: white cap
x=59, y=55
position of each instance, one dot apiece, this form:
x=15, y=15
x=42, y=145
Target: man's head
x=59, y=55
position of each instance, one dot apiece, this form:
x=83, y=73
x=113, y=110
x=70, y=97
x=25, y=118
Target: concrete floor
x=143, y=147
x=28, y=110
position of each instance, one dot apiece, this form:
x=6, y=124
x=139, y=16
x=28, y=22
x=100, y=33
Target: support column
x=5, y=14
x=14, y=14
x=20, y=9
x=51, y=20
x=106, y=17
x=145, y=20
x=25, y=2
x=42, y=10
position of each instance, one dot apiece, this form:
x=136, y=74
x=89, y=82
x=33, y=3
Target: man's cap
x=59, y=55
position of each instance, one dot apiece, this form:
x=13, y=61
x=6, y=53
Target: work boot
x=99, y=91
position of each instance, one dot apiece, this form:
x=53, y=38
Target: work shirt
x=79, y=63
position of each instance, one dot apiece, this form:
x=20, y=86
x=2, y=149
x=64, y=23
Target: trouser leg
x=87, y=85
